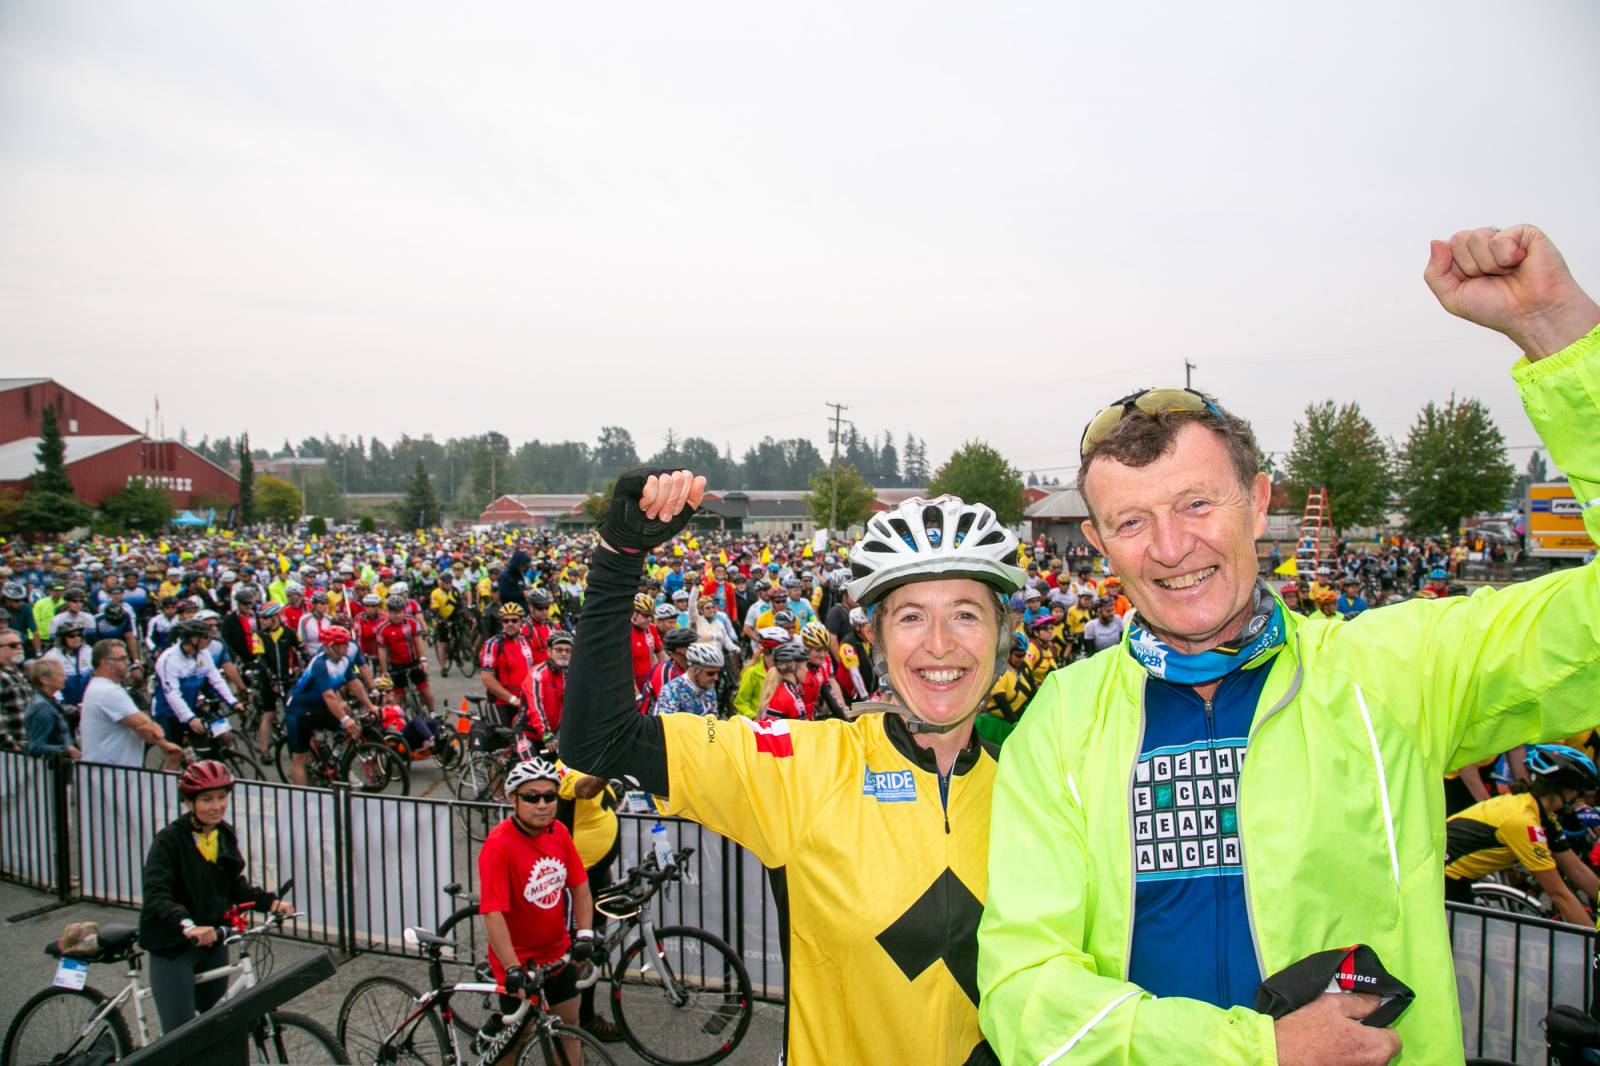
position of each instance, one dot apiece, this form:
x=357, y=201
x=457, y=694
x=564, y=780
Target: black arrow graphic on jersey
x=941, y=924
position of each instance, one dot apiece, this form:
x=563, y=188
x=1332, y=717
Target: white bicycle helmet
x=704, y=655
x=531, y=770
x=922, y=540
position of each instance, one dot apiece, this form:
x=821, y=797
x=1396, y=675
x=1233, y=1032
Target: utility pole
x=1188, y=369
x=833, y=471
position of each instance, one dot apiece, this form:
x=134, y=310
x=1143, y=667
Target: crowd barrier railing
x=368, y=866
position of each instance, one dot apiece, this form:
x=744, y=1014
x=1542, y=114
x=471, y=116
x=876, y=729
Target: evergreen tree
x=247, y=482
x=51, y=504
x=888, y=463
x=420, y=508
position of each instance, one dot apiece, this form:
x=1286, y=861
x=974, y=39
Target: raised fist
x=649, y=507
x=1513, y=281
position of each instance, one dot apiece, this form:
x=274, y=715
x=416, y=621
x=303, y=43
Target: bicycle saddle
x=456, y=892
x=113, y=942
x=1573, y=1027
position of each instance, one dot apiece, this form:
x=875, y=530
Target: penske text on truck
x=1555, y=523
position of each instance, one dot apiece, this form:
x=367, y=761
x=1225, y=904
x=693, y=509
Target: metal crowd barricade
x=368, y=866
x=33, y=820
x=1510, y=970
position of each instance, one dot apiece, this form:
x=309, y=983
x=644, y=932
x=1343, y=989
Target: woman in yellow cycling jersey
x=876, y=829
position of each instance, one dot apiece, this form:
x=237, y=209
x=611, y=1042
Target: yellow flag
x=722, y=557
x=163, y=545
x=1288, y=568
x=807, y=553
x=766, y=555
x=508, y=539
x=677, y=549
x=694, y=542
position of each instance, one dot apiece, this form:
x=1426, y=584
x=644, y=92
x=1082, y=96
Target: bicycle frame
x=138, y=994
x=441, y=997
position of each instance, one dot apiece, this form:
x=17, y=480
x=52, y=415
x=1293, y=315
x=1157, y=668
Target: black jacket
x=512, y=582
x=179, y=884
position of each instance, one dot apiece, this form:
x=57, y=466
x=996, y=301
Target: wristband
x=186, y=925
x=585, y=934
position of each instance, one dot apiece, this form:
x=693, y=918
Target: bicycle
x=685, y=1001
x=218, y=742
x=383, y=1020
x=367, y=764
x=490, y=752
x=77, y=1025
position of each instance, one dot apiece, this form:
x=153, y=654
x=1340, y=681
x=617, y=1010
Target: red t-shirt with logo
x=367, y=634
x=526, y=876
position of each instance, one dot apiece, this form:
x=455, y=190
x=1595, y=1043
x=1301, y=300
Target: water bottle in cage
x=660, y=845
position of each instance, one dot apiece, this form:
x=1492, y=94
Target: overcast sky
x=962, y=220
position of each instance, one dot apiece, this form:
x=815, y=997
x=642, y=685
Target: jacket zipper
x=1133, y=860
x=1238, y=802
x=944, y=799
x=1216, y=882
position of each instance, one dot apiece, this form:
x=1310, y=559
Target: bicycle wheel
x=547, y=1049
x=446, y=745
x=59, y=1025
x=373, y=1011
x=282, y=759
x=469, y=650
x=474, y=817
x=710, y=1012
x=374, y=767
x=468, y=1009
x=241, y=762
x=294, y=1040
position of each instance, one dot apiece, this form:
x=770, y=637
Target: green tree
x=979, y=474
x=614, y=452
x=855, y=497
x=1538, y=471
x=139, y=508
x=1338, y=449
x=10, y=500
x=277, y=500
x=1453, y=464
x=318, y=526
x=367, y=525
x=420, y=508
x=596, y=504
x=247, y=483
x=51, y=505
x=324, y=498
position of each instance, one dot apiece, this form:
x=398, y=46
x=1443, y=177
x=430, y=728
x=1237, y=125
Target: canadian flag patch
x=1536, y=834
x=772, y=736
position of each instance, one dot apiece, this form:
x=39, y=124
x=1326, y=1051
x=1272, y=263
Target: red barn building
x=104, y=453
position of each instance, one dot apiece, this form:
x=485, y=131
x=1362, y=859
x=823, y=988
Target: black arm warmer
x=602, y=731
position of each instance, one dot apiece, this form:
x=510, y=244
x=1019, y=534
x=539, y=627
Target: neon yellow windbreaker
x=1340, y=802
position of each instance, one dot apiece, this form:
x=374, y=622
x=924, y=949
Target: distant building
x=539, y=510
x=103, y=453
x=1058, y=516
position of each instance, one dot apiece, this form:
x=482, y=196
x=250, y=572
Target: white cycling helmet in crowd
x=531, y=770
x=400, y=588
x=704, y=655
x=922, y=540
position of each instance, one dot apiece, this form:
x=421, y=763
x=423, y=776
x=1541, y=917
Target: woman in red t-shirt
x=529, y=873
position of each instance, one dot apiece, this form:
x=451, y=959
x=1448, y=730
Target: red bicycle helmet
x=334, y=635
x=204, y=776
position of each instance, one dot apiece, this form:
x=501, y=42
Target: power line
x=833, y=469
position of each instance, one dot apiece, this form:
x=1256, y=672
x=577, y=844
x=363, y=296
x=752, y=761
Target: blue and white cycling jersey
x=179, y=680
x=322, y=675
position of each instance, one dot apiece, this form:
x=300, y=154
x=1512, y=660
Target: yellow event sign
x=1555, y=522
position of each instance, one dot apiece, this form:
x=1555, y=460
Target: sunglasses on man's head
x=536, y=797
x=1151, y=402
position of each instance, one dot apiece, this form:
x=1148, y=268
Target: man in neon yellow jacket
x=1144, y=873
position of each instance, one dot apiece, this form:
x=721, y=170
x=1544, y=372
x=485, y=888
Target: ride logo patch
x=890, y=786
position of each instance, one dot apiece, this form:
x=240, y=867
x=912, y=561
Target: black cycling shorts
x=405, y=676
x=558, y=988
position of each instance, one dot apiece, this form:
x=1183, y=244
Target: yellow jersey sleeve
x=1524, y=837
x=760, y=784
x=848, y=657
